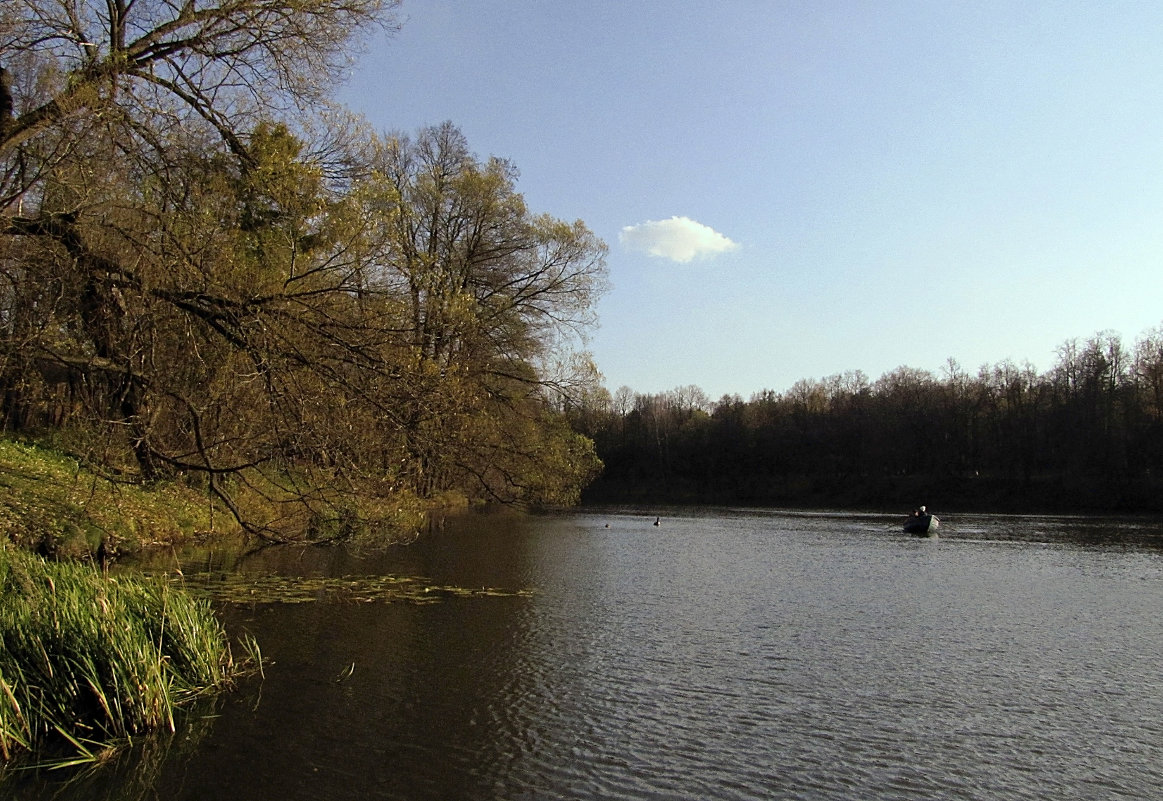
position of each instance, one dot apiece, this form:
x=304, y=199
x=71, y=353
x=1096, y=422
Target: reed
x=88, y=659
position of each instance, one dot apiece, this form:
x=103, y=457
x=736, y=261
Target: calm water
x=721, y=655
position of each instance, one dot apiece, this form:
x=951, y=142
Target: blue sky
x=791, y=190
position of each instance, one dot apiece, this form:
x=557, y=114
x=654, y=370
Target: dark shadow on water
x=129, y=773
x=1086, y=531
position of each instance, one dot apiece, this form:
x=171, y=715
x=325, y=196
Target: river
x=723, y=654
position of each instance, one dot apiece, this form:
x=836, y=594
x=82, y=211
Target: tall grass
x=88, y=659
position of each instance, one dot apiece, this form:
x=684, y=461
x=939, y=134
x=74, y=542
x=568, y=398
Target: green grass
x=87, y=660
x=53, y=503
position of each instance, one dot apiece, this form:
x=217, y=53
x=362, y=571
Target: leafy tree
x=495, y=295
x=1086, y=434
x=305, y=310
x=109, y=109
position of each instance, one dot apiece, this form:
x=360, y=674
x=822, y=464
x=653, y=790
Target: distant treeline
x=1085, y=436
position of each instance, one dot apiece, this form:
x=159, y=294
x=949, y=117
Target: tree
x=1089, y=381
x=287, y=303
x=158, y=62
x=1147, y=371
x=1147, y=377
x=107, y=107
x=175, y=257
x=495, y=296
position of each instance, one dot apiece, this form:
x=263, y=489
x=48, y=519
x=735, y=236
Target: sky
x=791, y=190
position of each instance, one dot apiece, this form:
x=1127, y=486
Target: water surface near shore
x=727, y=654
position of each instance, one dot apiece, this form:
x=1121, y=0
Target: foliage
x=1086, y=435
x=491, y=295
x=90, y=659
x=194, y=281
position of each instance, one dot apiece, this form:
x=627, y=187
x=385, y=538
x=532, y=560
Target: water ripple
x=857, y=680
x=737, y=656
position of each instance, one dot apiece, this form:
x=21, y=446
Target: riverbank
x=52, y=504
x=55, y=504
x=87, y=659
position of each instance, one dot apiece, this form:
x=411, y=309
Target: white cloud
x=678, y=239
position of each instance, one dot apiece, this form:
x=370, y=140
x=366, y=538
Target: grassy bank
x=54, y=504
x=87, y=660
x=51, y=503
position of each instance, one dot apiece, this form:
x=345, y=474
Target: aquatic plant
x=247, y=589
x=88, y=659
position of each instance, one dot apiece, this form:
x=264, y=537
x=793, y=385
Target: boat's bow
x=922, y=525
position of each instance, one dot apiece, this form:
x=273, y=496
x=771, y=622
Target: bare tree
x=215, y=58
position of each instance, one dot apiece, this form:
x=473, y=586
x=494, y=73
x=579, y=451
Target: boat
x=922, y=525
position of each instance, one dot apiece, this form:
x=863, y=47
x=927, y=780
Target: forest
x=1087, y=435
x=211, y=273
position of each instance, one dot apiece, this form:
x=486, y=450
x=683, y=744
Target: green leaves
x=291, y=304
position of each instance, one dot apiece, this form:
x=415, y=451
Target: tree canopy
x=195, y=281
x=1085, y=435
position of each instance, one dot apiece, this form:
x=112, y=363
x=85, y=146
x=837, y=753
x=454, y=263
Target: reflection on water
x=728, y=655
x=131, y=773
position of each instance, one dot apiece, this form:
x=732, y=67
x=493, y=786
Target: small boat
x=922, y=525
